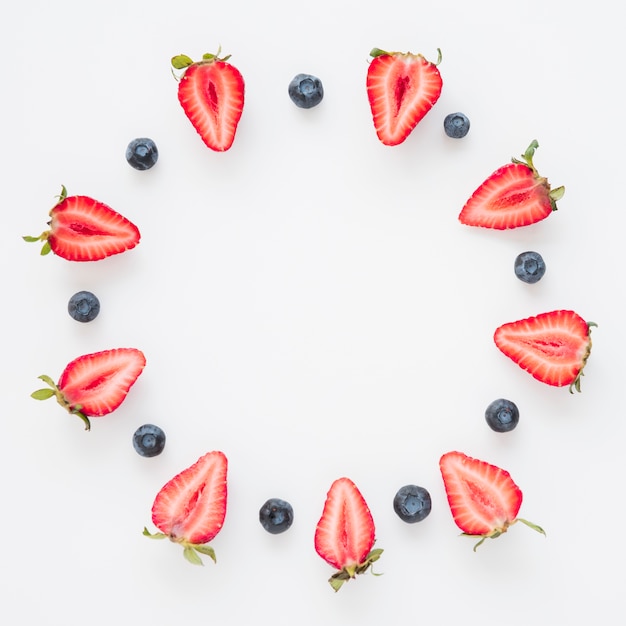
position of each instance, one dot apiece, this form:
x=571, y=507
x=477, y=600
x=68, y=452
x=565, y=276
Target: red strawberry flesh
x=211, y=93
x=513, y=196
x=83, y=229
x=96, y=384
x=401, y=89
x=345, y=533
x=191, y=507
x=483, y=498
x=553, y=347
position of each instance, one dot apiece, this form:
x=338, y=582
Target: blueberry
x=502, y=415
x=276, y=516
x=149, y=440
x=142, y=153
x=306, y=91
x=83, y=306
x=412, y=503
x=456, y=125
x=529, y=267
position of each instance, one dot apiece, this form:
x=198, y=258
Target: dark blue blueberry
x=529, y=267
x=502, y=415
x=306, y=91
x=456, y=125
x=276, y=516
x=412, y=503
x=83, y=306
x=142, y=153
x=149, y=440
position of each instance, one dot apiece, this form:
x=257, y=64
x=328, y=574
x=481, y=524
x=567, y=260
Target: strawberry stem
x=191, y=551
x=53, y=391
x=352, y=571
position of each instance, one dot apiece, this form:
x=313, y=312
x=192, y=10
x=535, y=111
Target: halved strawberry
x=553, y=347
x=345, y=533
x=83, y=229
x=401, y=88
x=514, y=195
x=211, y=92
x=483, y=498
x=95, y=384
x=191, y=507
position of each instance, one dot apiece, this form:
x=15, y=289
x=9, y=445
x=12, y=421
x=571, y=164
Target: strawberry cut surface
x=191, y=507
x=96, y=384
x=553, y=347
x=483, y=499
x=514, y=195
x=401, y=89
x=345, y=533
x=211, y=93
x=84, y=229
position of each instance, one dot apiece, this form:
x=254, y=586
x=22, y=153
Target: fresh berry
x=412, y=503
x=456, y=125
x=95, y=384
x=211, y=92
x=401, y=88
x=149, y=440
x=83, y=306
x=306, y=91
x=276, y=516
x=514, y=195
x=142, y=153
x=483, y=498
x=502, y=415
x=345, y=533
x=553, y=347
x=191, y=507
x=529, y=267
x=83, y=229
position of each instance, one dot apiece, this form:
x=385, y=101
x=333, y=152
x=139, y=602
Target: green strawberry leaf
x=147, y=533
x=192, y=556
x=181, y=61
x=42, y=394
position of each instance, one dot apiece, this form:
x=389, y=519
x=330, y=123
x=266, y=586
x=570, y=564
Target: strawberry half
x=553, y=347
x=211, y=92
x=345, y=533
x=401, y=88
x=514, y=195
x=83, y=229
x=483, y=498
x=191, y=507
x=95, y=384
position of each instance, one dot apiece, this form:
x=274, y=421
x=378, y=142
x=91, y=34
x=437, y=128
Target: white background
x=309, y=303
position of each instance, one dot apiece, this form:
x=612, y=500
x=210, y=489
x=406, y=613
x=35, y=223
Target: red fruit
x=211, y=92
x=514, y=195
x=95, y=384
x=483, y=498
x=191, y=507
x=345, y=533
x=553, y=347
x=401, y=88
x=83, y=229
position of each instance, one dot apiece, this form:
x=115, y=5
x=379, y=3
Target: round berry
x=306, y=91
x=149, y=440
x=142, y=153
x=412, y=503
x=276, y=516
x=529, y=267
x=83, y=306
x=502, y=415
x=456, y=125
